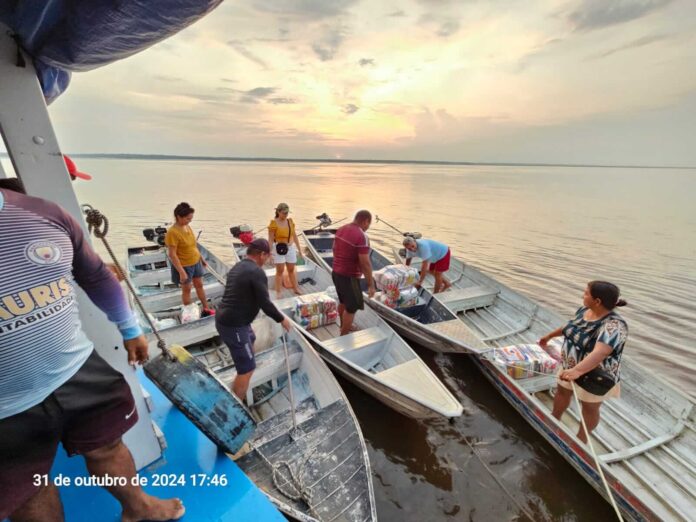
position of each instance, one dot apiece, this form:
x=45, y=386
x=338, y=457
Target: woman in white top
x=285, y=247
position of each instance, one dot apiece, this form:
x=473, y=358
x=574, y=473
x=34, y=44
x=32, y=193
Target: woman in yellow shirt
x=285, y=247
x=188, y=266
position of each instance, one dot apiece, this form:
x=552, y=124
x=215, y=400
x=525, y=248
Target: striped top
x=43, y=252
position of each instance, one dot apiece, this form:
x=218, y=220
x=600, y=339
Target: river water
x=545, y=231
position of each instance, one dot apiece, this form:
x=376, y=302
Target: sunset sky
x=594, y=81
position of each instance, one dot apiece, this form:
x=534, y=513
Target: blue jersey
x=429, y=250
x=43, y=253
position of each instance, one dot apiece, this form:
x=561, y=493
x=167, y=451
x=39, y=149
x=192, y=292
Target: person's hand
x=285, y=323
x=570, y=375
x=204, y=263
x=183, y=276
x=371, y=291
x=418, y=284
x=137, y=350
x=543, y=341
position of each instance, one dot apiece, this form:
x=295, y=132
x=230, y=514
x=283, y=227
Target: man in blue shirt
x=435, y=259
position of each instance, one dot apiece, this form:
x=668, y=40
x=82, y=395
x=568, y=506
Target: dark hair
x=607, y=293
x=183, y=209
x=362, y=215
x=13, y=184
x=253, y=251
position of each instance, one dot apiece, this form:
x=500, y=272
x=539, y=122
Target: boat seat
x=469, y=298
x=363, y=347
x=270, y=364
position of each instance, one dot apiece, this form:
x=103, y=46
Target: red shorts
x=91, y=410
x=442, y=265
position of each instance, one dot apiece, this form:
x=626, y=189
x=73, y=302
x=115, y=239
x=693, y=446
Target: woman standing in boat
x=285, y=247
x=188, y=266
x=592, y=346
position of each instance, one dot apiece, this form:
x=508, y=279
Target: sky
x=541, y=81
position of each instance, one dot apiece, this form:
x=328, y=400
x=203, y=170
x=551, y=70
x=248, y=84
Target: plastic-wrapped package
x=554, y=348
x=387, y=299
x=314, y=304
x=395, y=276
x=331, y=292
x=408, y=296
x=314, y=321
x=190, y=312
x=525, y=360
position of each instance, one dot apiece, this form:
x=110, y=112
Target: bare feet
x=155, y=509
x=297, y=291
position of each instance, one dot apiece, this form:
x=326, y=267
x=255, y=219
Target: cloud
x=165, y=78
x=246, y=53
x=596, y=14
x=444, y=25
x=256, y=94
x=350, y=108
x=366, y=61
x=640, y=42
x=327, y=46
x=397, y=14
x=281, y=101
x=305, y=9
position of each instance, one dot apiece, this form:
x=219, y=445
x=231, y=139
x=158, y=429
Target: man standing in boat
x=435, y=258
x=246, y=292
x=351, y=260
x=54, y=387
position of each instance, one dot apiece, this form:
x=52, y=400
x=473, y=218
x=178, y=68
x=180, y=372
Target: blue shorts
x=240, y=340
x=192, y=271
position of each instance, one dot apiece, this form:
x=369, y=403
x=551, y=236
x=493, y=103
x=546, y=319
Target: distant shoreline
x=152, y=157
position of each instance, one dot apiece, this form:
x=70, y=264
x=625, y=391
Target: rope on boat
x=293, y=487
x=98, y=224
x=498, y=481
x=594, y=454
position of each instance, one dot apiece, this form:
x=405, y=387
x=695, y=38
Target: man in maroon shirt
x=351, y=260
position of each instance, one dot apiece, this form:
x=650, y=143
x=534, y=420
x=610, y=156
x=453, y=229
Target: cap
x=260, y=244
x=283, y=207
x=72, y=169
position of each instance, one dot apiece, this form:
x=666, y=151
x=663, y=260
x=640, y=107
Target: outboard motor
x=156, y=235
x=243, y=232
x=149, y=234
x=324, y=220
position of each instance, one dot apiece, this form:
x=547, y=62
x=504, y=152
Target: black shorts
x=240, y=341
x=92, y=409
x=349, y=292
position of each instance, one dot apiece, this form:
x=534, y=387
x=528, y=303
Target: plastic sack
x=190, y=312
x=395, y=276
x=525, y=360
x=408, y=296
x=555, y=348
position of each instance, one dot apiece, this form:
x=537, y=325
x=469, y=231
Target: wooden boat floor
x=325, y=454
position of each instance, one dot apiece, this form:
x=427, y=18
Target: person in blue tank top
x=435, y=259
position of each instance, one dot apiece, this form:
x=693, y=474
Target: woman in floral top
x=594, y=337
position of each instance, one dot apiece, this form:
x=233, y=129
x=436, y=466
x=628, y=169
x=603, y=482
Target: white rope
x=594, y=454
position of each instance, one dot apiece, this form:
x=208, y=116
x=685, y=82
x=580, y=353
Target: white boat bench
x=364, y=347
x=462, y=299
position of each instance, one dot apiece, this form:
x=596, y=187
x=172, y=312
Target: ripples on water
x=544, y=231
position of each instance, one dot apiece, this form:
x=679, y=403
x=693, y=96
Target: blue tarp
x=79, y=35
